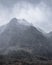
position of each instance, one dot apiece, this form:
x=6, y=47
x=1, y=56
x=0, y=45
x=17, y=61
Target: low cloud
x=40, y=14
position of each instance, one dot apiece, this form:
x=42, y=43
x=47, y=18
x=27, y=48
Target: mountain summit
x=14, y=20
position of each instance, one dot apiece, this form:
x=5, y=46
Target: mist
x=40, y=14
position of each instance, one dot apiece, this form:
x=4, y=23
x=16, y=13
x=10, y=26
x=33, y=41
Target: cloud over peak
x=37, y=12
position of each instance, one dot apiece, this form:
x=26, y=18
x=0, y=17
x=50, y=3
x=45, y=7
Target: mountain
x=21, y=35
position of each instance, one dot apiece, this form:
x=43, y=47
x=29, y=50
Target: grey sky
x=37, y=12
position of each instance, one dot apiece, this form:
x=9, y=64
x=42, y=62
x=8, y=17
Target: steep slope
x=19, y=36
x=35, y=41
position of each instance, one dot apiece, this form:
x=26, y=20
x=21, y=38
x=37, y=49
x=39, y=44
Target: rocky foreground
x=24, y=59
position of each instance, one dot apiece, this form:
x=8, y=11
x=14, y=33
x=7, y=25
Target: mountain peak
x=13, y=21
x=20, y=21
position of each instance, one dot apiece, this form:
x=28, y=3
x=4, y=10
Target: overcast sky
x=37, y=12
